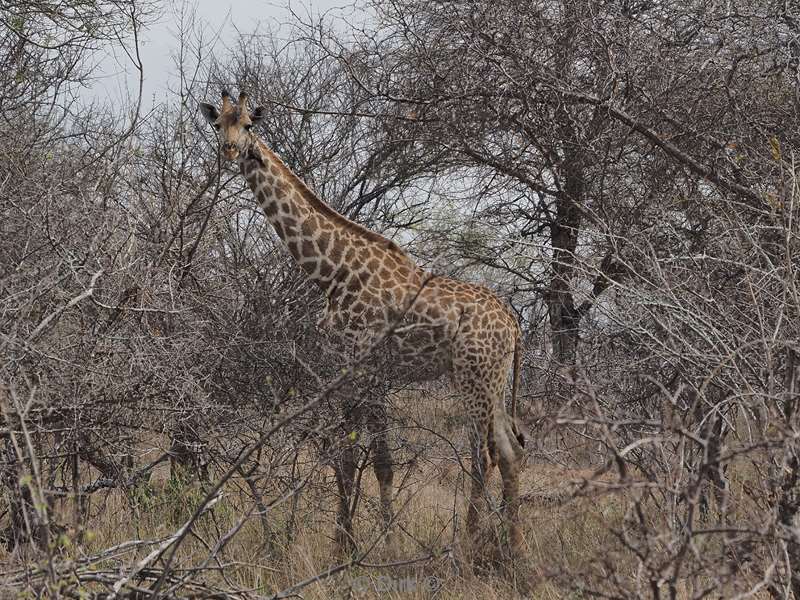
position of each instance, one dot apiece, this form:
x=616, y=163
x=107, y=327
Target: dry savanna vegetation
x=621, y=173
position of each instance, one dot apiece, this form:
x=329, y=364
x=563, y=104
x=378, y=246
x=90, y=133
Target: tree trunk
x=564, y=315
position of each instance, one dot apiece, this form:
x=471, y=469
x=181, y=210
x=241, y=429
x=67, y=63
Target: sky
x=115, y=79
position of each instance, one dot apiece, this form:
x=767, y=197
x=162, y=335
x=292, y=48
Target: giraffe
x=437, y=325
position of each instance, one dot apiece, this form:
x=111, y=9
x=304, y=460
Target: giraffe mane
x=329, y=212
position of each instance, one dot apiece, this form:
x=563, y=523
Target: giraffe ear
x=258, y=115
x=210, y=112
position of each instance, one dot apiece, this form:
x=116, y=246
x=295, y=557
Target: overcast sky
x=115, y=77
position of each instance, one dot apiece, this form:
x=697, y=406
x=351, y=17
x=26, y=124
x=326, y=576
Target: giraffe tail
x=514, y=387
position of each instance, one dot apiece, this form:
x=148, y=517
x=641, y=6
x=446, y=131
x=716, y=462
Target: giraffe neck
x=332, y=250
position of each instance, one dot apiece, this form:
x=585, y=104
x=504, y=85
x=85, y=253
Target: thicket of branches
x=623, y=173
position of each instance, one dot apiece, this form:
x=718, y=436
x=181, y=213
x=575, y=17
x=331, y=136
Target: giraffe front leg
x=378, y=425
x=345, y=470
x=345, y=466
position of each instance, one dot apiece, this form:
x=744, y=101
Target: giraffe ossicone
x=441, y=325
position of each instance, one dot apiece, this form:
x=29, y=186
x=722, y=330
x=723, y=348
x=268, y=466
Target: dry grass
x=568, y=535
x=557, y=535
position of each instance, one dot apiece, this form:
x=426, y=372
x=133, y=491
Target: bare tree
x=624, y=172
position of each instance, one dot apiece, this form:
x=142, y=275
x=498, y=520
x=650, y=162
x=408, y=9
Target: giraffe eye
x=248, y=127
x=216, y=126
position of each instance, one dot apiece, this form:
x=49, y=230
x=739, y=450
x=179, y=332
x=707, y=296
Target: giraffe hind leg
x=480, y=472
x=511, y=458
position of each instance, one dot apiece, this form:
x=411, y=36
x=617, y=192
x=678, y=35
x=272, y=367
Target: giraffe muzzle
x=230, y=150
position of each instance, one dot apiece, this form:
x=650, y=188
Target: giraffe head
x=233, y=122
